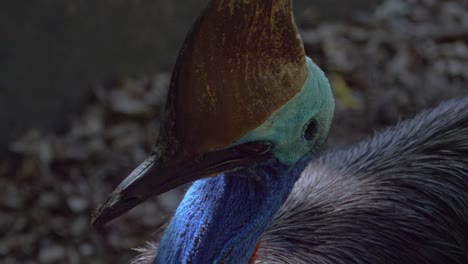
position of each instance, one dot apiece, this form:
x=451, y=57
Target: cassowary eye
x=310, y=130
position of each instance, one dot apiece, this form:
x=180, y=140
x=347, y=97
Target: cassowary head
x=244, y=100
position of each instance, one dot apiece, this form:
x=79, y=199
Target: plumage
x=400, y=196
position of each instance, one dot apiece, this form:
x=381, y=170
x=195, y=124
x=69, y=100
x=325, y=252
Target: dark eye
x=310, y=130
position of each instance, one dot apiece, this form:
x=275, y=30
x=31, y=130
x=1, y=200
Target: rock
x=77, y=204
x=79, y=227
x=51, y=254
x=86, y=249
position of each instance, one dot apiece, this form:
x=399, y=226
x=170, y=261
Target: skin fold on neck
x=221, y=219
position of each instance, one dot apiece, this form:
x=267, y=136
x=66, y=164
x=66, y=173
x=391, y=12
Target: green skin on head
x=314, y=103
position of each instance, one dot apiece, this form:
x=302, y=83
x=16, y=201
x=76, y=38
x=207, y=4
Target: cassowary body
x=400, y=196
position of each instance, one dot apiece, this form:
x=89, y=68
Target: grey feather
x=147, y=253
x=398, y=197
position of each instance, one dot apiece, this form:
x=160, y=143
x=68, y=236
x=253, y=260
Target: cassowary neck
x=221, y=219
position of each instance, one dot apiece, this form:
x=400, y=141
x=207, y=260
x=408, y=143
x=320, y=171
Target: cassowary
x=245, y=113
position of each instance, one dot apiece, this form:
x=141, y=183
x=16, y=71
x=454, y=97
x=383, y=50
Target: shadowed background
x=82, y=82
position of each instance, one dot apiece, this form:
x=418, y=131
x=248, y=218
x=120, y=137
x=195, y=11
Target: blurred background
x=82, y=84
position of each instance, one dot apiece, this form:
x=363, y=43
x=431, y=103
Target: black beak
x=151, y=178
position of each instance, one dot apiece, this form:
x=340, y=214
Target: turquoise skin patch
x=285, y=128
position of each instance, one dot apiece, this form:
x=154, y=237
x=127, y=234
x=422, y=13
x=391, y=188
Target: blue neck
x=221, y=219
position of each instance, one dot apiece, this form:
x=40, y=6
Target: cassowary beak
x=151, y=179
